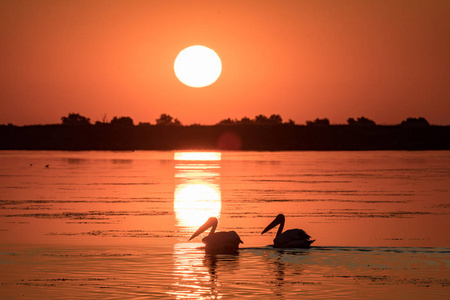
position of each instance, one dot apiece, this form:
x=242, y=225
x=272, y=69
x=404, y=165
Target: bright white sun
x=197, y=66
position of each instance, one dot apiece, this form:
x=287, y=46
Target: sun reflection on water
x=198, y=156
x=197, y=192
x=195, y=202
x=193, y=274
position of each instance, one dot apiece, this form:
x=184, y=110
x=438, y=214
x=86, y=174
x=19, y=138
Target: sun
x=197, y=66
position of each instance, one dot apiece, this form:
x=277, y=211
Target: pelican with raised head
x=218, y=242
x=292, y=238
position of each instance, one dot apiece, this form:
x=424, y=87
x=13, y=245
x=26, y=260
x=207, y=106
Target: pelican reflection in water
x=292, y=238
x=218, y=242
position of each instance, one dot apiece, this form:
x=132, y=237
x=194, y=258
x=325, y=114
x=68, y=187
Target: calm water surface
x=116, y=224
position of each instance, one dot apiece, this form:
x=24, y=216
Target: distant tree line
x=75, y=119
x=261, y=133
x=363, y=121
x=274, y=119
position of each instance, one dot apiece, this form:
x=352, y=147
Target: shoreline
x=281, y=137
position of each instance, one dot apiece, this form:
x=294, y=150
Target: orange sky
x=385, y=60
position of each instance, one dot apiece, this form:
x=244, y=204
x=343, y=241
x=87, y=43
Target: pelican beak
x=204, y=227
x=274, y=223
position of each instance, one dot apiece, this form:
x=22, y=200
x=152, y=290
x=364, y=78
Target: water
x=117, y=224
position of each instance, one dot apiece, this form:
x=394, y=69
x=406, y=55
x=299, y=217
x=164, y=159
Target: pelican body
x=292, y=238
x=218, y=242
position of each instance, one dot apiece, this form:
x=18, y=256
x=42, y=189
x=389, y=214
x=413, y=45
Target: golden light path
x=197, y=195
x=195, y=274
x=198, y=156
x=194, y=203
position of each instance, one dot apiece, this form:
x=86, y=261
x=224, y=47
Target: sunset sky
x=385, y=60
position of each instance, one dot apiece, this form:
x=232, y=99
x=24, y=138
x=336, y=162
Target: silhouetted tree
x=318, y=122
x=261, y=119
x=165, y=119
x=275, y=119
x=122, y=121
x=75, y=119
x=290, y=122
x=227, y=122
x=416, y=122
x=362, y=121
x=245, y=120
x=103, y=122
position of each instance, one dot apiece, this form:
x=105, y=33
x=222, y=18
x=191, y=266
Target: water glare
x=195, y=202
x=197, y=192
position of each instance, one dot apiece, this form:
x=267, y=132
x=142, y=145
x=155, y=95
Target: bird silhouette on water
x=292, y=238
x=226, y=242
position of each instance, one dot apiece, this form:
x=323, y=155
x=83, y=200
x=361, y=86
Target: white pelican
x=292, y=238
x=218, y=242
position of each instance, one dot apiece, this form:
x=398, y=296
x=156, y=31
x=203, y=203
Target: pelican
x=292, y=238
x=218, y=242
